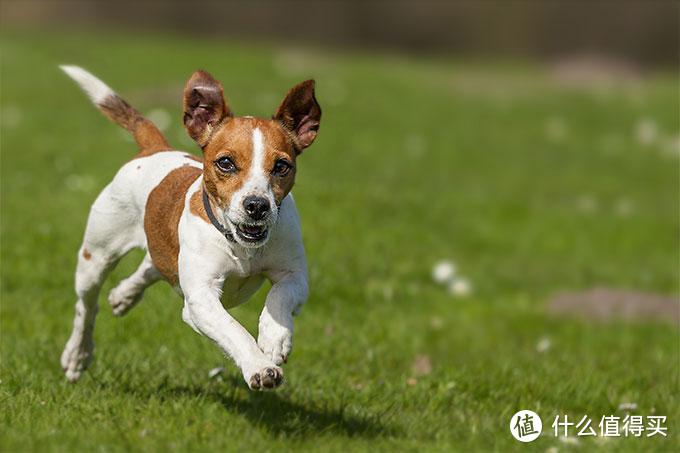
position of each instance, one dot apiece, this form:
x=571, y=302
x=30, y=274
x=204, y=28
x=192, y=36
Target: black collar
x=208, y=210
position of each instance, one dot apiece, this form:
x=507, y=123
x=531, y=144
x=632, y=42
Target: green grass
x=416, y=161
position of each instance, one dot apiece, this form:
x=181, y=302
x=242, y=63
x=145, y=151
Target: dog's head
x=249, y=164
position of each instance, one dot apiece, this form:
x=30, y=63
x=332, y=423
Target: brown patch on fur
x=163, y=210
x=86, y=254
x=149, y=139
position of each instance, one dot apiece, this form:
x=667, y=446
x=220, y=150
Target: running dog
x=214, y=228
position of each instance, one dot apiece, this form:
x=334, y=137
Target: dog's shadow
x=280, y=416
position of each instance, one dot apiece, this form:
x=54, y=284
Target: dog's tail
x=146, y=134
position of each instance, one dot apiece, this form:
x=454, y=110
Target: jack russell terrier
x=214, y=228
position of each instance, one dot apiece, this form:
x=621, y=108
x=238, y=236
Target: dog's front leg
x=286, y=296
x=207, y=315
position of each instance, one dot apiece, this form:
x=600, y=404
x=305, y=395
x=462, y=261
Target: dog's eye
x=282, y=168
x=225, y=164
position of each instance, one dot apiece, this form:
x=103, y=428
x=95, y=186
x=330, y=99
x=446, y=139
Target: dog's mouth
x=251, y=233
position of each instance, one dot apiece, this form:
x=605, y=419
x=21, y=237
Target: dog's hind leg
x=93, y=266
x=129, y=291
x=112, y=230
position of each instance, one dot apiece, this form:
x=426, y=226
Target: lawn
x=530, y=186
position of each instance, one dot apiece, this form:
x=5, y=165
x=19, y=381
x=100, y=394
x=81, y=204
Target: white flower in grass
x=212, y=374
x=628, y=406
x=646, y=131
x=543, y=344
x=460, y=287
x=443, y=271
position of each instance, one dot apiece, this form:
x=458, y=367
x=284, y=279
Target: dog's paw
x=265, y=378
x=275, y=340
x=122, y=299
x=75, y=359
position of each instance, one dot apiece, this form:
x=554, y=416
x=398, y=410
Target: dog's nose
x=256, y=207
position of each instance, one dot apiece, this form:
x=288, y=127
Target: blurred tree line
x=643, y=32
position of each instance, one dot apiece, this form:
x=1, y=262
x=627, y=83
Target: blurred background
x=642, y=32
x=490, y=213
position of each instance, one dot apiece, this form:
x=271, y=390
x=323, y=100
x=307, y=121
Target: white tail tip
x=95, y=88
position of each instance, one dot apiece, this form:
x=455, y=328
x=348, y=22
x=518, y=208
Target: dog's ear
x=204, y=106
x=300, y=114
